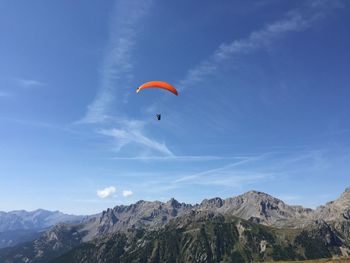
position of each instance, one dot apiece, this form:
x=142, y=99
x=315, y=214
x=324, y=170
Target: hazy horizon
x=192, y=203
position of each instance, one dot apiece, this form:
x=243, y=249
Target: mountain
x=21, y=226
x=206, y=237
x=261, y=208
x=142, y=214
x=38, y=219
x=335, y=210
x=253, y=226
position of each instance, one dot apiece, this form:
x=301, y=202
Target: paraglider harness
x=158, y=117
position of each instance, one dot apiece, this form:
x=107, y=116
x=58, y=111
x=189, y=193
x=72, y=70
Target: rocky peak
x=141, y=214
x=259, y=200
x=173, y=203
x=345, y=195
x=336, y=210
x=260, y=207
x=260, y=196
x=212, y=203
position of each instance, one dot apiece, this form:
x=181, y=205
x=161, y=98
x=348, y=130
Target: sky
x=263, y=101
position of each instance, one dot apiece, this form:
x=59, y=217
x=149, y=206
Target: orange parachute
x=158, y=84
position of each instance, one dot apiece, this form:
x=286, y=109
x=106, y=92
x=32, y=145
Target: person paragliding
x=160, y=85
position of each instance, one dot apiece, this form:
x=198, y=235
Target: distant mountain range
x=21, y=225
x=250, y=227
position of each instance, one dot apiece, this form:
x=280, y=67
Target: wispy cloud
x=252, y=169
x=5, y=94
x=18, y=85
x=265, y=171
x=220, y=170
x=116, y=68
x=231, y=179
x=227, y=175
x=294, y=21
x=106, y=192
x=44, y=125
x=181, y=158
x=115, y=76
x=29, y=83
x=131, y=132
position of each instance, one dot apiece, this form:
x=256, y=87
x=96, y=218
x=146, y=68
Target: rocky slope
x=260, y=208
x=337, y=213
x=208, y=237
x=139, y=215
x=335, y=210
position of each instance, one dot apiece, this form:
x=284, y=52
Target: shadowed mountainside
x=21, y=226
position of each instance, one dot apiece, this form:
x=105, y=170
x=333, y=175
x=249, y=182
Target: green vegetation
x=314, y=246
x=196, y=238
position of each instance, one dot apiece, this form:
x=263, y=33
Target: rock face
x=139, y=215
x=337, y=210
x=253, y=226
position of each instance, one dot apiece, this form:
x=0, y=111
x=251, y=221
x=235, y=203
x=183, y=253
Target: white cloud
x=294, y=21
x=117, y=64
x=127, y=193
x=106, y=192
x=132, y=133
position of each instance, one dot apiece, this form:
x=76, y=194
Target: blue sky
x=263, y=101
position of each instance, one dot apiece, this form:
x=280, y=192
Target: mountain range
x=250, y=227
x=18, y=226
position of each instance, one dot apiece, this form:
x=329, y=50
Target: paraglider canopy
x=158, y=84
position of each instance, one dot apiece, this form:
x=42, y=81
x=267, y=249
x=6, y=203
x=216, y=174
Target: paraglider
x=160, y=85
